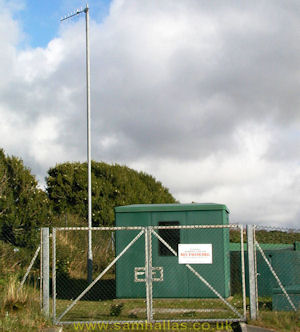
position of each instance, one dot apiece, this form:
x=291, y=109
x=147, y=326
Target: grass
x=281, y=321
x=166, y=309
x=71, y=250
x=72, y=247
x=20, y=308
x=135, y=309
x=14, y=296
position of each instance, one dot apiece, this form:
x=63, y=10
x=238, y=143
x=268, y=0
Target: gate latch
x=157, y=274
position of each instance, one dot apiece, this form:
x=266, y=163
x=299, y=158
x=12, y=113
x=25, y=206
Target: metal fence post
x=148, y=272
x=45, y=272
x=41, y=270
x=54, y=275
x=243, y=272
x=252, y=272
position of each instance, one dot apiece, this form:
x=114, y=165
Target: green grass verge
x=23, y=314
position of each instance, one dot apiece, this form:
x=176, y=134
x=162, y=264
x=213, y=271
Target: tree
x=112, y=185
x=23, y=206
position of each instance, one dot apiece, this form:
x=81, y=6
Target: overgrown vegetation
x=20, y=308
x=72, y=251
x=14, y=297
x=23, y=206
x=112, y=185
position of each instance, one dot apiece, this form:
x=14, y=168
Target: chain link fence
x=103, y=300
x=174, y=273
x=20, y=267
x=278, y=268
x=19, y=256
x=146, y=274
x=196, y=266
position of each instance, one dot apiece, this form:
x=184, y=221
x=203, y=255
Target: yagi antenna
x=76, y=12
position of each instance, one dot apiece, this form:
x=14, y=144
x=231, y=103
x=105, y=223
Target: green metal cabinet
x=284, y=259
x=178, y=281
x=286, y=265
x=280, y=301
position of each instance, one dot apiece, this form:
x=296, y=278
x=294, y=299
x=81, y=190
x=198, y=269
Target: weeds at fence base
x=115, y=309
x=279, y=320
x=14, y=298
x=20, y=308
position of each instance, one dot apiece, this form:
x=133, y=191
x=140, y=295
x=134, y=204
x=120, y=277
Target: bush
x=112, y=185
x=24, y=207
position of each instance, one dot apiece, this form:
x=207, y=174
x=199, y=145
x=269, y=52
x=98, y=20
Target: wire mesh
x=192, y=273
x=137, y=275
x=278, y=268
x=16, y=256
x=116, y=253
x=147, y=281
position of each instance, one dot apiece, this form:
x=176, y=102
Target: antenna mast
x=90, y=253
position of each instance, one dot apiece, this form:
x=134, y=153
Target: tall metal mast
x=89, y=161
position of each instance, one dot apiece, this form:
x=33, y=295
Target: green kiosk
x=171, y=277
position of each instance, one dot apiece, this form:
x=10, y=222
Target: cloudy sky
x=202, y=94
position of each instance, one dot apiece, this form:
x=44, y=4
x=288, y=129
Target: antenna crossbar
x=75, y=13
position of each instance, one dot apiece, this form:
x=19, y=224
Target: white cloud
x=202, y=95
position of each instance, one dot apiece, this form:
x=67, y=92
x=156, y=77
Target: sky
x=203, y=95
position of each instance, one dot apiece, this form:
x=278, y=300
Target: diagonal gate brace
x=100, y=275
x=200, y=277
x=276, y=276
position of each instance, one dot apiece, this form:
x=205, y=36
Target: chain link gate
x=197, y=274
x=138, y=274
x=76, y=301
x=277, y=267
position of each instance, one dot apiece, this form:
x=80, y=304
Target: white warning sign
x=195, y=253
